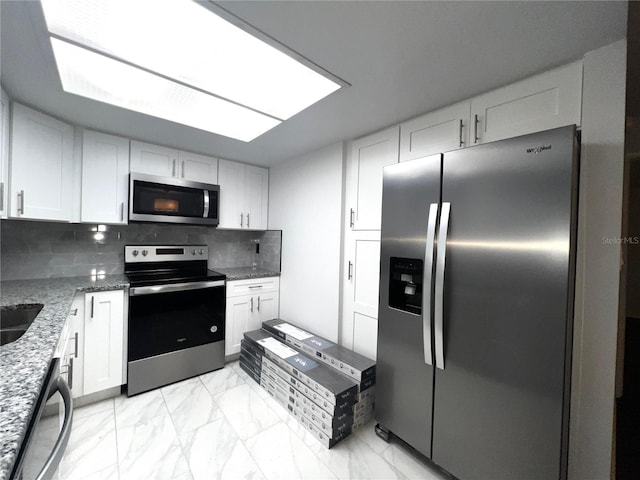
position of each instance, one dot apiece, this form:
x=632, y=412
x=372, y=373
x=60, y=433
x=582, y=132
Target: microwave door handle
x=205, y=213
x=53, y=462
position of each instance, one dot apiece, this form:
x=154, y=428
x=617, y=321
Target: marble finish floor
x=220, y=425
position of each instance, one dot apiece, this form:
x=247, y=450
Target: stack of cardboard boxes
x=327, y=388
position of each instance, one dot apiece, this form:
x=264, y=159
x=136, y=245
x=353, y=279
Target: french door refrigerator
x=476, y=306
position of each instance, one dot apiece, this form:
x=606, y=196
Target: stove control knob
x=193, y=252
x=135, y=253
x=214, y=329
x=145, y=253
x=200, y=251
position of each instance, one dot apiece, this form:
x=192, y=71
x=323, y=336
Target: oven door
x=172, y=317
x=159, y=199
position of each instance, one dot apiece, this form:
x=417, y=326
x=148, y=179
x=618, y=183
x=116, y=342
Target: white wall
x=598, y=263
x=305, y=202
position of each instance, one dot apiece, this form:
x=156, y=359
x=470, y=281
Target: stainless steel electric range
x=176, y=315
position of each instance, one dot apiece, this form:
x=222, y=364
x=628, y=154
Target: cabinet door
x=41, y=166
x=231, y=180
x=105, y=178
x=361, y=287
x=4, y=153
x=198, y=168
x=75, y=355
x=239, y=319
x=548, y=100
x=436, y=132
x=154, y=159
x=266, y=306
x=364, y=177
x=103, y=340
x=256, y=197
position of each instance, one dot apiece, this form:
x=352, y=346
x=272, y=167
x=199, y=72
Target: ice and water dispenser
x=405, y=284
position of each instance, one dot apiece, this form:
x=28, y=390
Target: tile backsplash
x=48, y=249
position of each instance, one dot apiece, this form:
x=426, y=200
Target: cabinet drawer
x=252, y=285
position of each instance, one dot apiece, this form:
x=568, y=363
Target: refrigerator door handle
x=439, y=291
x=427, y=282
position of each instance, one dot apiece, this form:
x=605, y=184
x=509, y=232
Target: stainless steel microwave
x=162, y=199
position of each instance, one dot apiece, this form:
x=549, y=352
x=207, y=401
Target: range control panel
x=165, y=253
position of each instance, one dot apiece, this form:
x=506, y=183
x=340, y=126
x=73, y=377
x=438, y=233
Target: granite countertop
x=24, y=363
x=244, y=273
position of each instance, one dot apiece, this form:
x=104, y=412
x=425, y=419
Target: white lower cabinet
x=249, y=303
x=75, y=346
x=360, y=292
x=97, y=344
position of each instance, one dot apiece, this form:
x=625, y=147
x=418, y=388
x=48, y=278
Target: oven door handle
x=174, y=287
x=52, y=463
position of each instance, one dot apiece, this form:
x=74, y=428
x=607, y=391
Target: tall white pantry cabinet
x=548, y=100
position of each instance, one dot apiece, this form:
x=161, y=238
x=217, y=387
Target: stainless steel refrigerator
x=476, y=306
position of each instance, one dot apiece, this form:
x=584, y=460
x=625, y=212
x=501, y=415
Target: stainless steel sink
x=16, y=319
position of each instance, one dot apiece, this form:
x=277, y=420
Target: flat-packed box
x=334, y=387
x=331, y=426
x=352, y=364
x=252, y=356
x=313, y=426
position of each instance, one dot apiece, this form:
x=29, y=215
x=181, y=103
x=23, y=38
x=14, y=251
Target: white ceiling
x=401, y=59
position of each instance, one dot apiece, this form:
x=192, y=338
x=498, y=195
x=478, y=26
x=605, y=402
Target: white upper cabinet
x=436, y=132
x=197, y=168
x=231, y=179
x=169, y=162
x=4, y=153
x=548, y=100
x=256, y=195
x=153, y=159
x=364, y=177
x=41, y=176
x=105, y=178
x=244, y=196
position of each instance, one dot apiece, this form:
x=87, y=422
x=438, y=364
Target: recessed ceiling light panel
x=95, y=76
x=186, y=41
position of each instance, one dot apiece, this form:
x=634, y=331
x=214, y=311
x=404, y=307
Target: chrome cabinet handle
x=21, y=202
x=351, y=222
x=439, y=290
x=258, y=302
x=173, y=169
x=475, y=128
x=461, y=141
x=122, y=211
x=70, y=373
x=74, y=312
x=75, y=352
x=247, y=220
x=426, y=283
x=1, y=195
x=92, y=301
x=241, y=219
x=52, y=463
x=349, y=273
x=251, y=304
x=255, y=286
x=183, y=169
